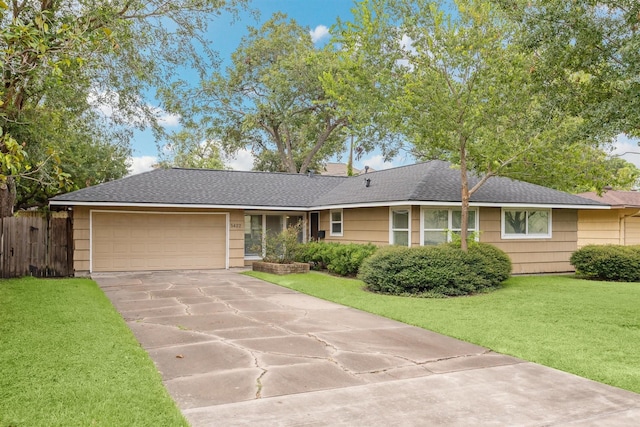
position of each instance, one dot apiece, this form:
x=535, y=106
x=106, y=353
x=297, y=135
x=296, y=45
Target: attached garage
x=147, y=241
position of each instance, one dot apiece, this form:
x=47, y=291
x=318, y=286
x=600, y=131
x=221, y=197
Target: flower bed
x=277, y=268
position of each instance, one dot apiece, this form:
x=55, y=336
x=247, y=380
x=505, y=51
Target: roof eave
x=457, y=203
x=176, y=205
x=323, y=207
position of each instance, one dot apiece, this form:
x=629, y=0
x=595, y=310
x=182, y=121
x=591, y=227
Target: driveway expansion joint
x=258, y=354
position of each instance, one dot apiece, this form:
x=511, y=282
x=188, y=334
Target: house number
x=237, y=225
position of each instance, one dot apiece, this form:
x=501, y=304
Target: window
x=439, y=224
x=399, y=234
x=252, y=235
x=522, y=223
x=336, y=222
x=293, y=221
x=256, y=226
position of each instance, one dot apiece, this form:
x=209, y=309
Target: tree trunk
x=350, y=161
x=464, y=193
x=7, y=197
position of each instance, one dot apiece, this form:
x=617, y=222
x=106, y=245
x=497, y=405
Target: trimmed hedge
x=608, y=262
x=338, y=258
x=443, y=270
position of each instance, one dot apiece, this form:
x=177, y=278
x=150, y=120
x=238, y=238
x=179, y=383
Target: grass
x=588, y=328
x=67, y=358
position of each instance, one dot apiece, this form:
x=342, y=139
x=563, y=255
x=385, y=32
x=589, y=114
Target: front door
x=314, y=225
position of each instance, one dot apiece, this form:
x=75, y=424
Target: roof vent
x=367, y=182
x=366, y=169
x=311, y=173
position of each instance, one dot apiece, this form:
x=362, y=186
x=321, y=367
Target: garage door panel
x=145, y=241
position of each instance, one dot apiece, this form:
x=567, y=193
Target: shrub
x=608, y=262
x=318, y=254
x=435, y=270
x=338, y=258
x=347, y=259
x=490, y=262
x=282, y=247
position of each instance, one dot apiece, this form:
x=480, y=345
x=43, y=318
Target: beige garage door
x=149, y=241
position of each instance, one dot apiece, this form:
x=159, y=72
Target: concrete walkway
x=234, y=350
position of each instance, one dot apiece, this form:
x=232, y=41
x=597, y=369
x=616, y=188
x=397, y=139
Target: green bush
x=347, y=259
x=338, y=258
x=608, y=262
x=490, y=262
x=282, y=247
x=318, y=254
x=443, y=270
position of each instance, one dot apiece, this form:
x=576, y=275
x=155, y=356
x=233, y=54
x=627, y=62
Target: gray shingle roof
x=208, y=187
x=430, y=181
x=437, y=181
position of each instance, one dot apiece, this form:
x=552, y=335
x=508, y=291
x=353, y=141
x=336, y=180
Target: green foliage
x=282, y=247
x=318, y=254
x=66, y=152
x=588, y=58
x=77, y=78
x=270, y=100
x=435, y=270
x=608, y=262
x=456, y=86
x=489, y=262
x=338, y=258
x=189, y=149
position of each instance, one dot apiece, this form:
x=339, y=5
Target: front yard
x=68, y=359
x=588, y=328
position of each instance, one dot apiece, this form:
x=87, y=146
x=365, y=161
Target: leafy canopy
x=64, y=61
x=271, y=100
x=459, y=89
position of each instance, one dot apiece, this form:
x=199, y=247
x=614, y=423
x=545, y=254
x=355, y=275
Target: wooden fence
x=36, y=246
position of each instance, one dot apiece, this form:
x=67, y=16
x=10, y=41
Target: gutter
x=326, y=207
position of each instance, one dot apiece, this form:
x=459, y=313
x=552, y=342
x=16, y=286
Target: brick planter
x=275, y=268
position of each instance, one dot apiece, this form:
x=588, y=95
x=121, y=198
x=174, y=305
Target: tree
x=270, y=100
x=460, y=90
x=189, y=150
x=70, y=56
x=84, y=152
x=588, y=57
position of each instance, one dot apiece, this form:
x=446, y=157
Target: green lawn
x=588, y=328
x=68, y=359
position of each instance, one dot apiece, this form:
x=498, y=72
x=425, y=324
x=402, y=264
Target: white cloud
x=106, y=102
x=165, y=118
x=376, y=162
x=406, y=43
x=319, y=33
x=241, y=161
x=628, y=149
x=406, y=46
x=141, y=164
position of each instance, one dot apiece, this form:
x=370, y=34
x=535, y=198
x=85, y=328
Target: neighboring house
x=619, y=226
x=177, y=219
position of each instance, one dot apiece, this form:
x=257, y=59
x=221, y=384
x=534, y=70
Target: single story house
x=619, y=226
x=175, y=219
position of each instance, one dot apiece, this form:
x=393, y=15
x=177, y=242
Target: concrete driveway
x=234, y=350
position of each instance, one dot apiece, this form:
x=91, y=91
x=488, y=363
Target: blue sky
x=318, y=16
